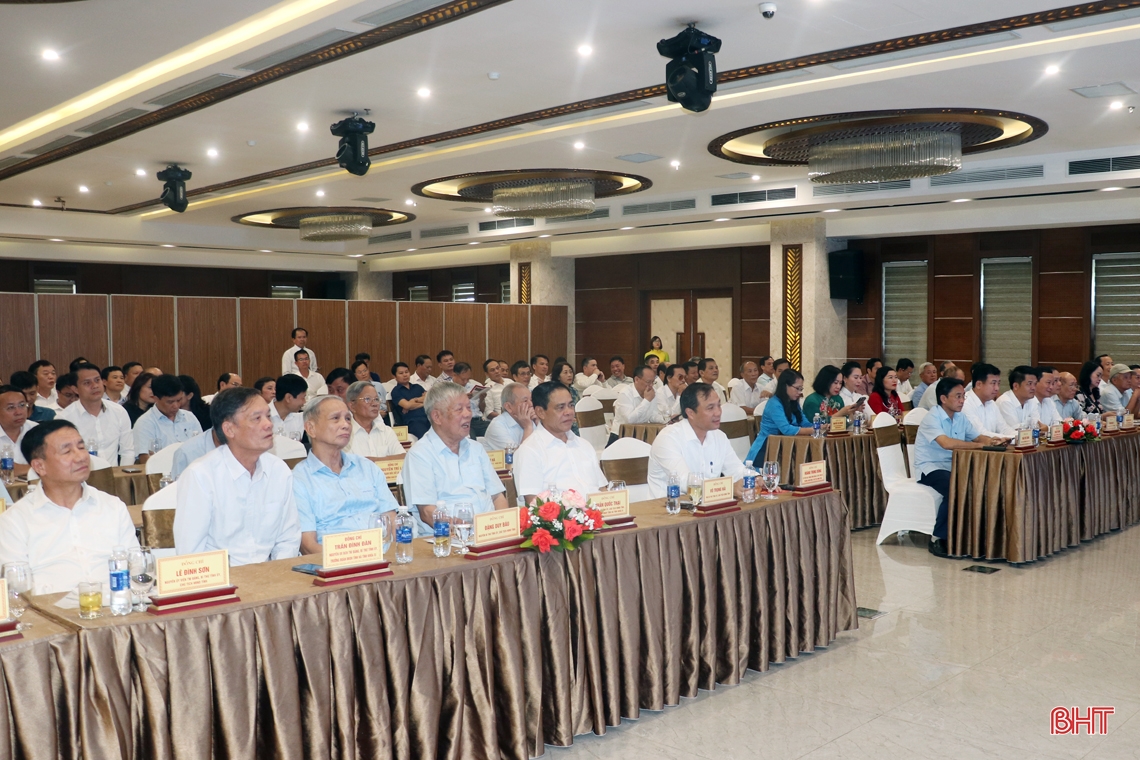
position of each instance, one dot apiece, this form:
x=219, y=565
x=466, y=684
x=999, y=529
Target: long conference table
x=447, y=658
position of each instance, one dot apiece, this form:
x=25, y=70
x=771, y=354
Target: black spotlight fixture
x=352, y=152
x=690, y=77
x=174, y=187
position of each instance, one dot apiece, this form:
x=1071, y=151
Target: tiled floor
x=963, y=666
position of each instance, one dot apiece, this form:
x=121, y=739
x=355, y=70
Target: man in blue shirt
x=336, y=491
x=944, y=430
x=165, y=423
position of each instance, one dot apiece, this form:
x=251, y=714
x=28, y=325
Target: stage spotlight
x=352, y=153
x=690, y=77
x=174, y=188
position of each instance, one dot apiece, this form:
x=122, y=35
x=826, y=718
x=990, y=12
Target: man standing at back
x=300, y=340
x=103, y=424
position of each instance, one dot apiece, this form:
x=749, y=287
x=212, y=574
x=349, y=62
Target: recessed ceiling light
x=424, y=92
x=166, y=245
x=675, y=164
x=474, y=242
x=627, y=228
x=83, y=188
x=355, y=255
x=410, y=250
x=50, y=55
x=1110, y=189
x=320, y=193
x=579, y=145
x=487, y=210
x=302, y=126
x=755, y=177
x=492, y=75
x=1051, y=70
x=544, y=236
x=1116, y=105
x=830, y=210
x=961, y=200
x=56, y=240
x=722, y=219
x=585, y=50
x=36, y=202
x=265, y=250
x=212, y=153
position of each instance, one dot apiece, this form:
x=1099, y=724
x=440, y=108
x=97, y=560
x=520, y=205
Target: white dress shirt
x=1014, y=414
x=928, y=400
x=670, y=404
x=677, y=449
x=767, y=382
x=582, y=381
x=614, y=382
x=154, y=431
x=544, y=460
x=1048, y=411
x=379, y=442
x=52, y=401
x=289, y=366
x=904, y=389
x=503, y=431
x=110, y=430
x=1111, y=399
x=494, y=403
x=294, y=423
x=222, y=506
x=426, y=383
x=191, y=451
x=745, y=395
x=851, y=397
x=65, y=546
x=720, y=391
x=535, y=381
x=316, y=383
x=985, y=417
x=5, y=440
x=631, y=408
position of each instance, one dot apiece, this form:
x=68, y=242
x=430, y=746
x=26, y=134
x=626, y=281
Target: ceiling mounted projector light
x=531, y=198
x=690, y=77
x=352, y=151
x=174, y=188
x=335, y=227
x=885, y=157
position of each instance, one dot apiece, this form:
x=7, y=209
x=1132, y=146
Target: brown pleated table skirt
x=852, y=467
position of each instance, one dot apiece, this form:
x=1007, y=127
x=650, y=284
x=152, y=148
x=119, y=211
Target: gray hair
x=510, y=391
x=312, y=409
x=356, y=389
x=441, y=395
x=922, y=367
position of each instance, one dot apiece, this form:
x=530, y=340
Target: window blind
x=286, y=291
x=417, y=292
x=904, y=311
x=1007, y=314
x=463, y=291
x=1116, y=304
x=54, y=286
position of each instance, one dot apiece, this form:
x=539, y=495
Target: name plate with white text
x=401, y=432
x=1129, y=422
x=716, y=491
x=838, y=424
x=498, y=525
x=1024, y=438
x=812, y=473
x=1056, y=432
x=611, y=503
x=1110, y=425
x=193, y=572
x=392, y=467
x=498, y=460
x=356, y=547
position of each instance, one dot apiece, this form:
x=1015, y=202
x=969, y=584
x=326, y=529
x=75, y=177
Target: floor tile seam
x=975, y=738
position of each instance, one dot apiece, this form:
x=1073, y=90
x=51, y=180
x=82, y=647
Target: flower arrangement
x=1075, y=431
x=559, y=520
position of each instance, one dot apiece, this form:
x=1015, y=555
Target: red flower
x=595, y=518
x=542, y=540
x=1090, y=429
x=1066, y=426
x=549, y=511
x=572, y=529
x=524, y=518
x=1077, y=434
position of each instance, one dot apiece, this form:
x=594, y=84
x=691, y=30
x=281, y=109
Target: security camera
x=768, y=10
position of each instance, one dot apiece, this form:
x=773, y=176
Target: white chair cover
x=915, y=417
x=162, y=461
x=287, y=448
x=910, y=506
x=592, y=389
x=596, y=435
x=164, y=498
x=733, y=413
x=99, y=463
x=606, y=394
x=630, y=448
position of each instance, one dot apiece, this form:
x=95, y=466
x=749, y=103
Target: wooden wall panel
x=142, y=330
x=864, y=339
x=953, y=296
x=1059, y=341
x=508, y=337
x=602, y=340
x=18, y=349
x=71, y=326
x=325, y=322
x=465, y=334
x=372, y=329
x=207, y=340
x=754, y=339
x=265, y=327
x=421, y=330
x=548, y=330
x=953, y=340
x=954, y=254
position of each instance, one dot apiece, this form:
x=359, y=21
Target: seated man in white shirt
x=313, y=378
x=446, y=361
x=980, y=406
x=65, y=529
x=1067, y=405
x=1117, y=397
x=495, y=383
x=289, y=395
x=1047, y=409
x=422, y=374
x=515, y=424
x=165, y=422
x=300, y=338
x=114, y=387
x=590, y=375
x=45, y=374
x=929, y=396
x=1106, y=363
x=193, y=450
x=66, y=391
x=669, y=395
x=694, y=445
x=14, y=424
x=617, y=377
x=767, y=379
x=709, y=372
x=369, y=436
x=520, y=373
x=461, y=375
x=239, y=497
x=539, y=369
x=637, y=404
x=103, y=424
x=225, y=380
x=553, y=455
x=747, y=394
x=903, y=370
x=446, y=465
x=1018, y=406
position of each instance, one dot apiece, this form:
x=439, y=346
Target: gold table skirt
x=852, y=468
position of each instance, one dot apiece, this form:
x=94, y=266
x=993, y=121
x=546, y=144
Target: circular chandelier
x=334, y=227
x=885, y=157
x=324, y=224
x=530, y=198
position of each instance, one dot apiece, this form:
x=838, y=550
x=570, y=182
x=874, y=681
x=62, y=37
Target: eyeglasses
x=13, y=407
x=372, y=400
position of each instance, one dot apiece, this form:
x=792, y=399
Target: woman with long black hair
x=782, y=414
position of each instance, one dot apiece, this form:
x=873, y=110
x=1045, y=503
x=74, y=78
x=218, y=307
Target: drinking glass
x=771, y=477
x=90, y=600
x=462, y=525
x=615, y=485
x=140, y=564
x=378, y=521
x=295, y=435
x=696, y=486
x=19, y=577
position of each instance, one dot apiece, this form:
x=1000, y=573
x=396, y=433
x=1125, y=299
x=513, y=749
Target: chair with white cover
x=162, y=461
x=628, y=459
x=287, y=448
x=734, y=424
x=592, y=422
x=911, y=421
x=732, y=383
x=910, y=506
x=607, y=397
x=592, y=389
x=99, y=463
x=158, y=521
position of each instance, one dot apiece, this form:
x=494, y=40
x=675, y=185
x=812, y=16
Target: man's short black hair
x=461, y=367
x=703, y=364
x=1043, y=370
x=673, y=368
x=340, y=373
x=945, y=385
x=519, y=366
x=690, y=365
x=32, y=446
x=297, y=330
x=904, y=364
x=763, y=359
x=540, y=396
x=780, y=361
x=86, y=367
x=617, y=359
x=397, y=365
x=106, y=371
x=873, y=361
x=362, y=357
x=165, y=386
x=130, y=365
x=23, y=380
x=534, y=359
x=421, y=359
x=290, y=385
x=694, y=395
x=66, y=380
x=1020, y=372
x=11, y=388
x=441, y=354
x=1098, y=359
x=489, y=361
x=35, y=366
x=980, y=371
x=76, y=362
x=224, y=378
x=225, y=405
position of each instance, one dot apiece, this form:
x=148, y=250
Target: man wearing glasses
x=14, y=424
x=370, y=436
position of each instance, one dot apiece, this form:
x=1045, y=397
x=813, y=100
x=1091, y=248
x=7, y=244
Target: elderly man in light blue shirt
x=336, y=491
x=165, y=423
x=516, y=422
x=945, y=429
x=193, y=450
x=446, y=465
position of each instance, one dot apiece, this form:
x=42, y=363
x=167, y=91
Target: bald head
x=1066, y=387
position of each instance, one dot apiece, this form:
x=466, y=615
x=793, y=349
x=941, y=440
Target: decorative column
x=807, y=327
x=539, y=278
x=367, y=285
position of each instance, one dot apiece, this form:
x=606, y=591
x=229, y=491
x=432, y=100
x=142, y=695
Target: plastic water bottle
x=405, y=529
x=1036, y=435
x=7, y=463
x=816, y=427
x=749, y=494
x=673, y=494
x=1098, y=427
x=120, y=581
x=858, y=424
x=1120, y=420
x=93, y=447
x=442, y=526
x=509, y=457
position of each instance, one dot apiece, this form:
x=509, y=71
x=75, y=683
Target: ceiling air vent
x=638, y=158
x=1110, y=90
x=505, y=224
x=371, y=200
x=295, y=50
x=1101, y=165
x=112, y=120
x=59, y=143
x=860, y=187
x=434, y=232
x=658, y=207
x=390, y=237
x=989, y=175
x=11, y=161
x=598, y=213
x=736, y=175
x=754, y=196
x=190, y=90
